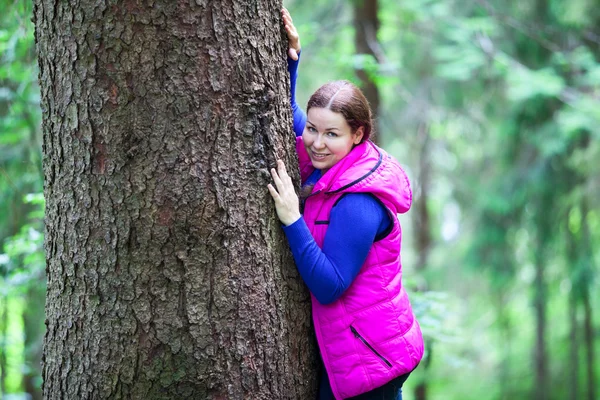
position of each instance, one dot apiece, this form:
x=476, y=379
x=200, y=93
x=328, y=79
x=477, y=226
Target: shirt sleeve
x=328, y=272
x=298, y=113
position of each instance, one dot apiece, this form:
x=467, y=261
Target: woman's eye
x=311, y=129
x=331, y=134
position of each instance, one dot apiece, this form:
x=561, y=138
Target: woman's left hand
x=286, y=200
x=292, y=34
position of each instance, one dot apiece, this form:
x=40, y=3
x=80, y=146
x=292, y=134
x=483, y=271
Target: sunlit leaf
x=524, y=83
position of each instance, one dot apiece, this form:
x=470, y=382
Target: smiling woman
x=346, y=244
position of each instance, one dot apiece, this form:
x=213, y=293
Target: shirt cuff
x=298, y=233
x=293, y=64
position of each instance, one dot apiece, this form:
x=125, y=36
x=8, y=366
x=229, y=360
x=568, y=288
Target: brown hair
x=345, y=98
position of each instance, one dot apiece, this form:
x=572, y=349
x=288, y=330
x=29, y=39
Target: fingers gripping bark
x=292, y=34
x=286, y=200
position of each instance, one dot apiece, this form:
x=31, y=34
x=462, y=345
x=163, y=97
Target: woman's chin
x=319, y=164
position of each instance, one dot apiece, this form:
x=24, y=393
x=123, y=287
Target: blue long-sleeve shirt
x=355, y=222
x=299, y=115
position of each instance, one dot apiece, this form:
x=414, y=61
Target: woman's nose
x=319, y=142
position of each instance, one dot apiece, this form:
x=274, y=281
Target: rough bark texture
x=168, y=273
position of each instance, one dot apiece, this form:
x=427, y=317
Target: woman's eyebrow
x=328, y=129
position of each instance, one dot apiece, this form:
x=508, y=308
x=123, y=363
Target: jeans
x=390, y=391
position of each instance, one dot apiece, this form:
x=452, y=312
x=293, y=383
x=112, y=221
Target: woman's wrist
x=292, y=219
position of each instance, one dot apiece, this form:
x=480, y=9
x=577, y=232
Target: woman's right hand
x=287, y=204
x=292, y=34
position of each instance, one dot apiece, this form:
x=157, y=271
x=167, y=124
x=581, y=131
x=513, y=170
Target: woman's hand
x=286, y=200
x=292, y=34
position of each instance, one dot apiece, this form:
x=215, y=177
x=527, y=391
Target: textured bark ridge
x=168, y=274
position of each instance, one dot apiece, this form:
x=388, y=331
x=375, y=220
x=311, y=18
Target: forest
x=492, y=108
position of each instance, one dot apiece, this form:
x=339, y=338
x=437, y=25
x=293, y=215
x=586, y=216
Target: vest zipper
x=362, y=339
x=313, y=193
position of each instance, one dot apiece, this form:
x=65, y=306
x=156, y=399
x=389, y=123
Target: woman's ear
x=358, y=135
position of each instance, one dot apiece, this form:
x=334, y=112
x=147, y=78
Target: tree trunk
x=168, y=274
x=505, y=343
x=422, y=217
x=539, y=304
x=33, y=317
x=589, y=346
x=573, y=347
x=366, y=26
x=573, y=304
x=588, y=325
x=3, y=332
x=423, y=236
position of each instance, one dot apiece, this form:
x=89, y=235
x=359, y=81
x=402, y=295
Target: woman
x=346, y=244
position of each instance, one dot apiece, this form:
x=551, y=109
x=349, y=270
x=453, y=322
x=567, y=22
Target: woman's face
x=328, y=138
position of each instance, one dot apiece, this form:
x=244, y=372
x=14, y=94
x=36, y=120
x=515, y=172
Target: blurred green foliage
x=22, y=261
x=500, y=101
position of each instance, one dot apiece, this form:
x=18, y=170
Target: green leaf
x=8, y=138
x=524, y=83
x=583, y=115
x=458, y=63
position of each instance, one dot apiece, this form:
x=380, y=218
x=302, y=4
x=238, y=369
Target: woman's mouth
x=318, y=156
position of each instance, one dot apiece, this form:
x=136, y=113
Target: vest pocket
x=371, y=348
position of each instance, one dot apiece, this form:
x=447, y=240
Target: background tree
x=368, y=51
x=168, y=275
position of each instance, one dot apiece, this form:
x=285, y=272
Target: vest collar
x=357, y=165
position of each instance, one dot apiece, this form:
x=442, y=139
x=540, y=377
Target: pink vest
x=370, y=335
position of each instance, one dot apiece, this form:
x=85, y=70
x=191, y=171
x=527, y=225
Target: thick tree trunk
x=168, y=273
x=366, y=26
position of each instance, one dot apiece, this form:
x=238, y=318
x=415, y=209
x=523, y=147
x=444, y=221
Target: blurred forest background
x=493, y=107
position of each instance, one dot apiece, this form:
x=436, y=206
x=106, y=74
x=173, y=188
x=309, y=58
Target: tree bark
x=168, y=274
